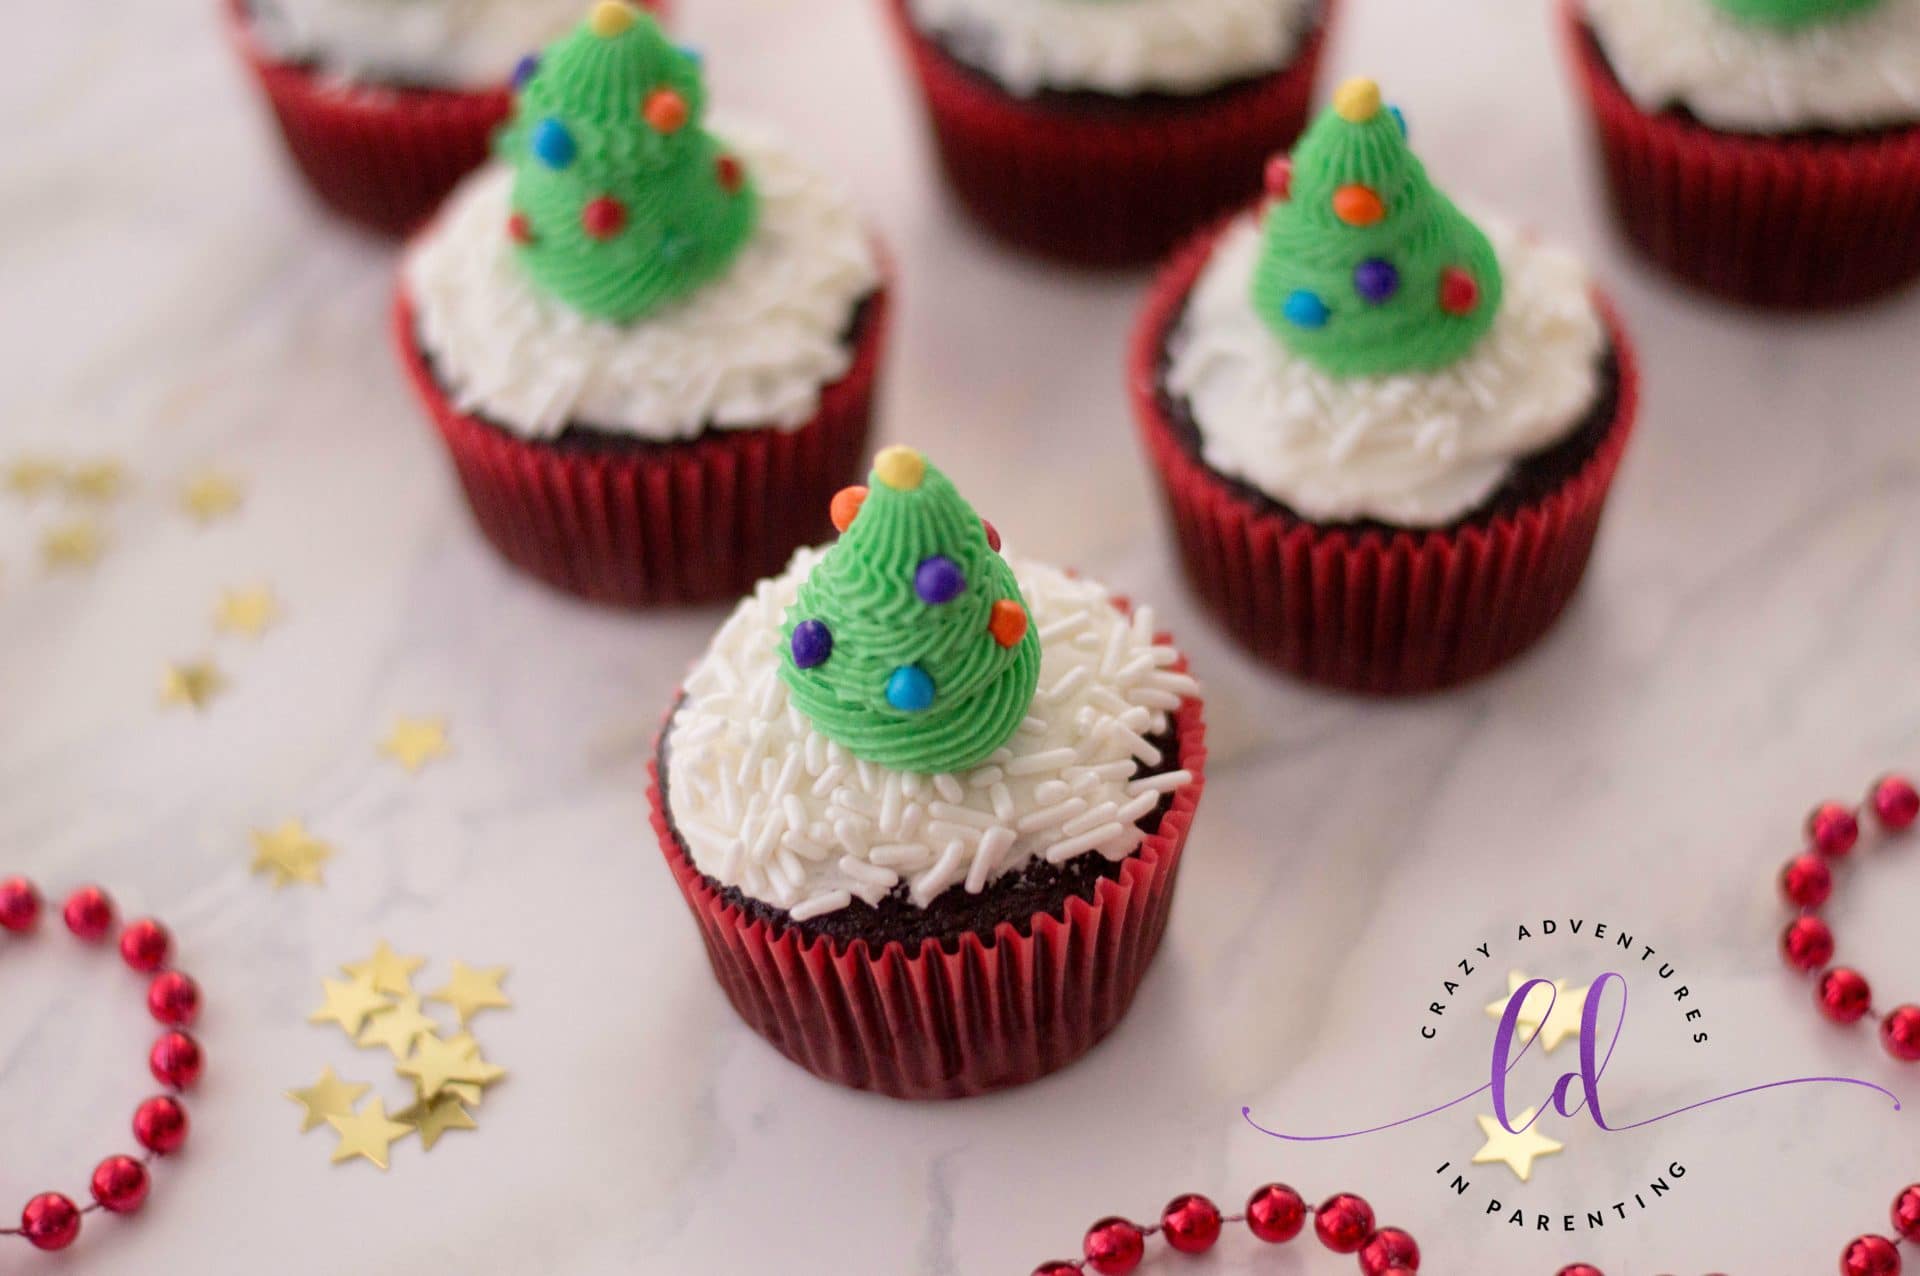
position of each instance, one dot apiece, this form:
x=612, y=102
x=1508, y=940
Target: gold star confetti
x=368, y=1134
x=100, y=480
x=470, y=991
x=250, y=612
x=396, y=1027
x=193, y=683
x=388, y=971
x=348, y=1003
x=436, y=1061
x=414, y=742
x=469, y=1091
x=209, y=495
x=1561, y=1025
x=29, y=476
x=434, y=1117
x=290, y=854
x=1515, y=1151
x=76, y=543
x=327, y=1097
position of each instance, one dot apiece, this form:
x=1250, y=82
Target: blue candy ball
x=812, y=644
x=525, y=69
x=1304, y=309
x=910, y=690
x=1376, y=279
x=552, y=144
x=1399, y=118
x=938, y=580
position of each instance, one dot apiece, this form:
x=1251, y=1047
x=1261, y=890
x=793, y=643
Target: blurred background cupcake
x=385, y=104
x=926, y=803
x=651, y=349
x=1385, y=434
x=1101, y=131
x=1767, y=151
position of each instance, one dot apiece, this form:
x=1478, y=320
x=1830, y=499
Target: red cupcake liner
x=1370, y=611
x=959, y=1018
x=1105, y=189
x=1779, y=223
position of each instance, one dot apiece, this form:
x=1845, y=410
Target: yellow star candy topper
x=414, y=742
x=327, y=1097
x=290, y=854
x=368, y=1134
x=470, y=991
x=1515, y=1151
x=1562, y=1024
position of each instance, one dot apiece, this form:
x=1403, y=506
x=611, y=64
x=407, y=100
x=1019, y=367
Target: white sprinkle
x=870, y=874
x=1092, y=819
x=1047, y=792
x=1160, y=783
x=986, y=858
x=986, y=775
x=730, y=861
x=1033, y=726
x=1003, y=808
x=942, y=875
x=890, y=807
x=900, y=855
x=1067, y=684
x=1065, y=850
x=1046, y=760
x=1136, y=809
x=948, y=787
x=941, y=828
x=960, y=815
x=795, y=811
x=1067, y=625
x=820, y=905
x=828, y=779
x=1034, y=821
x=845, y=833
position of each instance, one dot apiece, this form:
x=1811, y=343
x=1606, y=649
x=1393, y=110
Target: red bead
x=1114, y=1247
x=993, y=535
x=1280, y=177
x=1390, y=1250
x=728, y=172
x=144, y=945
x=1896, y=803
x=1906, y=1213
x=160, y=1124
x=1808, y=944
x=173, y=998
x=1459, y=291
x=50, y=1221
x=1276, y=1213
x=1191, y=1223
x=19, y=905
x=175, y=1060
x=1870, y=1256
x=1900, y=1033
x=120, y=1184
x=1580, y=1269
x=1343, y=1223
x=1056, y=1268
x=89, y=914
x=1833, y=828
x=603, y=218
x=1844, y=995
x=519, y=229
x=1807, y=881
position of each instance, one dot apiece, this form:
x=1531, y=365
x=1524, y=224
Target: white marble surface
x=1745, y=644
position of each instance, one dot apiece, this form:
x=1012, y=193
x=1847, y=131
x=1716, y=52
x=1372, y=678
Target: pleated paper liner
x=959, y=1018
x=688, y=522
x=1383, y=613
x=1780, y=223
x=1104, y=190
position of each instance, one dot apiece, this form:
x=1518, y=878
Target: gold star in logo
x=348, y=1003
x=470, y=991
x=100, y=480
x=29, y=476
x=434, y=1117
x=414, y=742
x=1515, y=1151
x=389, y=971
x=290, y=854
x=436, y=1061
x=327, y=1097
x=250, y=611
x=368, y=1134
x=1561, y=1025
x=397, y=1026
x=76, y=543
x=192, y=683
x=209, y=495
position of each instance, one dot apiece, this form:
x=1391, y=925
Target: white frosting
x=1415, y=450
x=441, y=43
x=750, y=349
x=1118, y=46
x=767, y=804
x=1858, y=72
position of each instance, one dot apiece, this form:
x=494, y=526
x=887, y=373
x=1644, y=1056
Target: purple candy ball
x=938, y=580
x=1376, y=280
x=812, y=644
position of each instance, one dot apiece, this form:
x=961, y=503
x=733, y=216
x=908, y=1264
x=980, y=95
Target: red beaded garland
x=1870, y=1256
x=1390, y=1250
x=1906, y=1213
x=173, y=998
x=144, y=944
x=1808, y=943
x=1900, y=1033
x=160, y=1124
x=1834, y=829
x=1344, y=1223
x=1844, y=995
x=1191, y=1223
x=1114, y=1246
x=1896, y=803
x=1807, y=881
x=19, y=905
x=89, y=914
x=175, y=1060
x=1276, y=1213
x=50, y=1221
x=120, y=1184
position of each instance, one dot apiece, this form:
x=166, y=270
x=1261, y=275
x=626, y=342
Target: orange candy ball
x=1009, y=623
x=1358, y=205
x=846, y=504
x=665, y=110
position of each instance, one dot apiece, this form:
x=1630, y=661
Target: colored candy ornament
x=626, y=202
x=933, y=661
x=1366, y=269
x=1794, y=13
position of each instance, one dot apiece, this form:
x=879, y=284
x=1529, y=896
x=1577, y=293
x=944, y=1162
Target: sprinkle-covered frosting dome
x=910, y=644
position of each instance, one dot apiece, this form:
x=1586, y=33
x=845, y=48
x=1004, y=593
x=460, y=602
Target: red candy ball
x=160, y=1124
x=1896, y=803
x=1114, y=1247
x=1900, y=1033
x=1844, y=995
x=175, y=1060
x=1870, y=1256
x=50, y=1221
x=1833, y=828
x=728, y=172
x=519, y=229
x=144, y=945
x=1279, y=177
x=1807, y=881
x=1390, y=1250
x=1343, y=1223
x=1906, y=1213
x=1459, y=291
x=89, y=914
x=603, y=218
x=1191, y=1223
x=19, y=905
x=993, y=535
x=173, y=998
x=120, y=1184
x=1276, y=1213
x=1808, y=944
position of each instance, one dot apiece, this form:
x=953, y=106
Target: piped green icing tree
x=622, y=202
x=1793, y=13
x=1365, y=268
x=909, y=643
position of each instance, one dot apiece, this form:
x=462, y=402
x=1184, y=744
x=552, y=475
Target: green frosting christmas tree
x=622, y=202
x=909, y=643
x=1793, y=13
x=1365, y=269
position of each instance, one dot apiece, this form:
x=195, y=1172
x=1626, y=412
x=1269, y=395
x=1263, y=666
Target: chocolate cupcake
x=927, y=803
x=1385, y=431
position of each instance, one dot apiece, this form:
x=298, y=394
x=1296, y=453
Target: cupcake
x=1385, y=431
x=1102, y=131
x=1767, y=151
x=385, y=106
x=927, y=803
x=651, y=348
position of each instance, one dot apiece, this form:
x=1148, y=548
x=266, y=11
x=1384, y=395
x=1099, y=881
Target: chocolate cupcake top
x=1119, y=47
x=621, y=266
x=907, y=713
x=443, y=44
x=1362, y=350
x=1767, y=66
